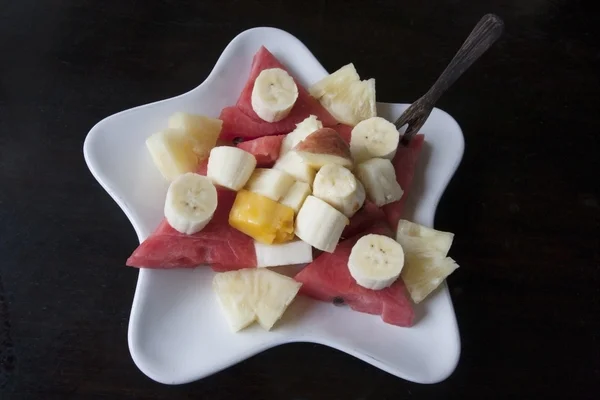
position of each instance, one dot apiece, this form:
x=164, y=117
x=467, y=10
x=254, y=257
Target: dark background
x=524, y=204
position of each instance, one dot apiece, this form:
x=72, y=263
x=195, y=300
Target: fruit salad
x=295, y=176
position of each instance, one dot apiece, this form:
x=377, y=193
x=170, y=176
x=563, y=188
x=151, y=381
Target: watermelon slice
x=405, y=162
x=265, y=149
x=368, y=216
x=217, y=243
x=242, y=121
x=328, y=279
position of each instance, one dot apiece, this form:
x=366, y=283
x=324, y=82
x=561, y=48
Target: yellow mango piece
x=261, y=218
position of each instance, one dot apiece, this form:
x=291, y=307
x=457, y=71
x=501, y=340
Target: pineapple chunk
x=426, y=265
x=253, y=294
x=261, y=218
x=203, y=130
x=172, y=152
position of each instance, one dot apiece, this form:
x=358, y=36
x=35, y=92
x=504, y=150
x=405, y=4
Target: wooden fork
x=485, y=33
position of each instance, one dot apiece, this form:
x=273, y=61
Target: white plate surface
x=176, y=331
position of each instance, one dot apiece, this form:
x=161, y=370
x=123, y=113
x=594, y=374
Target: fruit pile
x=313, y=177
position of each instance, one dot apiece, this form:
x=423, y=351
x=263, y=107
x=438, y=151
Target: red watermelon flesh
x=368, y=216
x=265, y=149
x=345, y=131
x=328, y=278
x=217, y=243
x=202, y=167
x=405, y=162
x=242, y=121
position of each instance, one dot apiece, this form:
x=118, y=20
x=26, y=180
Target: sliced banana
x=337, y=186
x=376, y=261
x=274, y=94
x=379, y=178
x=422, y=241
x=191, y=203
x=374, y=138
x=335, y=82
x=172, y=152
x=294, y=165
x=303, y=129
x=230, y=167
x=203, y=130
x=271, y=183
x=295, y=197
x=319, y=224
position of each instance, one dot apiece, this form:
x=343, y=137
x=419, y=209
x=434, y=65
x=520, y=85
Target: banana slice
x=379, y=177
x=172, y=152
x=335, y=82
x=271, y=183
x=376, y=261
x=303, y=129
x=319, y=224
x=374, y=138
x=337, y=186
x=294, y=165
x=295, y=197
x=191, y=203
x=422, y=241
x=230, y=167
x=203, y=130
x=274, y=94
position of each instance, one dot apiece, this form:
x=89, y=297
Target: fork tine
x=412, y=129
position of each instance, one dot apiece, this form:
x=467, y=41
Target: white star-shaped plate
x=177, y=333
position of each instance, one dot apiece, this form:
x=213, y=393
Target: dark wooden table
x=524, y=204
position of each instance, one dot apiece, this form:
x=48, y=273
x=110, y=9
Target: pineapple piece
x=251, y=294
x=172, y=152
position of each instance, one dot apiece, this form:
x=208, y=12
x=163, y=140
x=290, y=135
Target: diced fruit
x=303, y=129
x=295, y=197
x=379, y=178
x=324, y=146
x=274, y=94
x=319, y=224
x=172, y=152
x=335, y=82
x=376, y=261
x=294, y=165
x=265, y=149
x=420, y=240
x=337, y=186
x=250, y=294
x=190, y=203
x=374, y=138
x=271, y=183
x=426, y=263
x=275, y=255
x=204, y=130
x=261, y=218
x=345, y=96
x=422, y=275
x=230, y=167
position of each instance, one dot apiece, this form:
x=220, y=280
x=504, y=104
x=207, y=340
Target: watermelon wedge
x=368, y=216
x=241, y=120
x=265, y=149
x=217, y=243
x=328, y=279
x=405, y=162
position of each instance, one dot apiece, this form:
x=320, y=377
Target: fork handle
x=485, y=33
